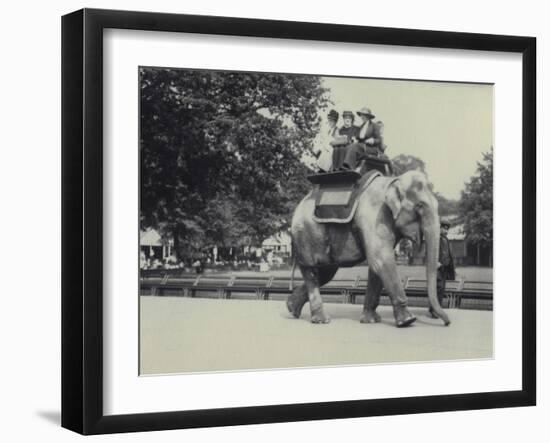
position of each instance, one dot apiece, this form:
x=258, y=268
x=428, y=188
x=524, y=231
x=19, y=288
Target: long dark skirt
x=355, y=152
x=338, y=155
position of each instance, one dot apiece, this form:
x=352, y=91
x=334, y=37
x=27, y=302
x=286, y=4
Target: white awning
x=280, y=239
x=150, y=238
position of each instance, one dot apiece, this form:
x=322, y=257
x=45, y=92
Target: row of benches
x=459, y=293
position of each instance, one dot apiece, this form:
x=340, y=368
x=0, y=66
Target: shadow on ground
x=53, y=417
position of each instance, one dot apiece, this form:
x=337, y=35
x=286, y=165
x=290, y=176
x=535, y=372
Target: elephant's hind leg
x=372, y=299
x=296, y=301
x=299, y=296
x=311, y=279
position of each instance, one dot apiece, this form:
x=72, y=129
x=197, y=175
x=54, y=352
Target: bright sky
x=448, y=125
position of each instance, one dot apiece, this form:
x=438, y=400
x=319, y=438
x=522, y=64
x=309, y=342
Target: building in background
x=153, y=246
x=280, y=244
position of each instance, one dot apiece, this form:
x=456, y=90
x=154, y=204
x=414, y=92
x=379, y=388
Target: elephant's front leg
x=384, y=265
x=372, y=299
x=311, y=278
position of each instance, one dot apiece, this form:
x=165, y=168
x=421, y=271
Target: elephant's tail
x=291, y=287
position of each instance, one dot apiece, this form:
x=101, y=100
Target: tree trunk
x=175, y=235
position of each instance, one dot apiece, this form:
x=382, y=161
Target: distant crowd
x=199, y=263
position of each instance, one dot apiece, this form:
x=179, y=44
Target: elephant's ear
x=394, y=197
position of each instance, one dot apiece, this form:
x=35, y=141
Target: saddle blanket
x=337, y=202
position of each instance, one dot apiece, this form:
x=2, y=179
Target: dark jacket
x=446, y=258
x=372, y=131
x=350, y=133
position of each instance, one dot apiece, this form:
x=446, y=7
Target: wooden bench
x=458, y=293
x=249, y=285
x=415, y=287
x=209, y=284
x=339, y=288
x=475, y=294
x=281, y=286
x=359, y=287
x=178, y=285
x=151, y=284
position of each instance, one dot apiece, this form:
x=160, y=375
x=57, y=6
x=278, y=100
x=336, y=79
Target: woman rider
x=369, y=140
x=345, y=135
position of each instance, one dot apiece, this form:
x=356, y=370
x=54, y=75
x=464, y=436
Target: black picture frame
x=82, y=215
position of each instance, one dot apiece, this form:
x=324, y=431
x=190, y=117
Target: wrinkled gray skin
x=388, y=210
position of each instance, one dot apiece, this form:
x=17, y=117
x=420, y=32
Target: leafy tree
x=220, y=152
x=476, y=203
x=403, y=163
x=446, y=206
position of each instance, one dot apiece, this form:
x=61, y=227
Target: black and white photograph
x=296, y=221
x=275, y=222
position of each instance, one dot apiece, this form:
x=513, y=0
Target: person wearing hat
x=369, y=140
x=346, y=135
x=446, y=266
x=325, y=152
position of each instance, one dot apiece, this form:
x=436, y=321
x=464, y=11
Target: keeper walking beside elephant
x=446, y=269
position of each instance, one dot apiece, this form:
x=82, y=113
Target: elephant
x=389, y=209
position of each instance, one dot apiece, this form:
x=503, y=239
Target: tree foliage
x=403, y=163
x=476, y=203
x=220, y=152
x=446, y=206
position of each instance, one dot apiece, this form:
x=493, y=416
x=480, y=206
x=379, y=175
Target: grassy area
x=472, y=273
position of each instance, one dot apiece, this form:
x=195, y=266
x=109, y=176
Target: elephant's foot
x=295, y=306
x=319, y=316
x=370, y=316
x=403, y=317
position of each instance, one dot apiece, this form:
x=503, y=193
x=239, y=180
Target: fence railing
x=463, y=294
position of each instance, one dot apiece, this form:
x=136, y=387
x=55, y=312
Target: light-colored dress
x=325, y=157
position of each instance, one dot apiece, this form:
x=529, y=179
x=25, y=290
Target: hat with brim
x=445, y=224
x=333, y=115
x=366, y=111
x=347, y=114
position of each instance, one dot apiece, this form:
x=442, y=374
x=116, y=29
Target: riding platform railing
x=460, y=293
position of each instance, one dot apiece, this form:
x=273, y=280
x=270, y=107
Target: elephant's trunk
x=430, y=227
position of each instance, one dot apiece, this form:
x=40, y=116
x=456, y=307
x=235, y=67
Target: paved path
x=195, y=335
